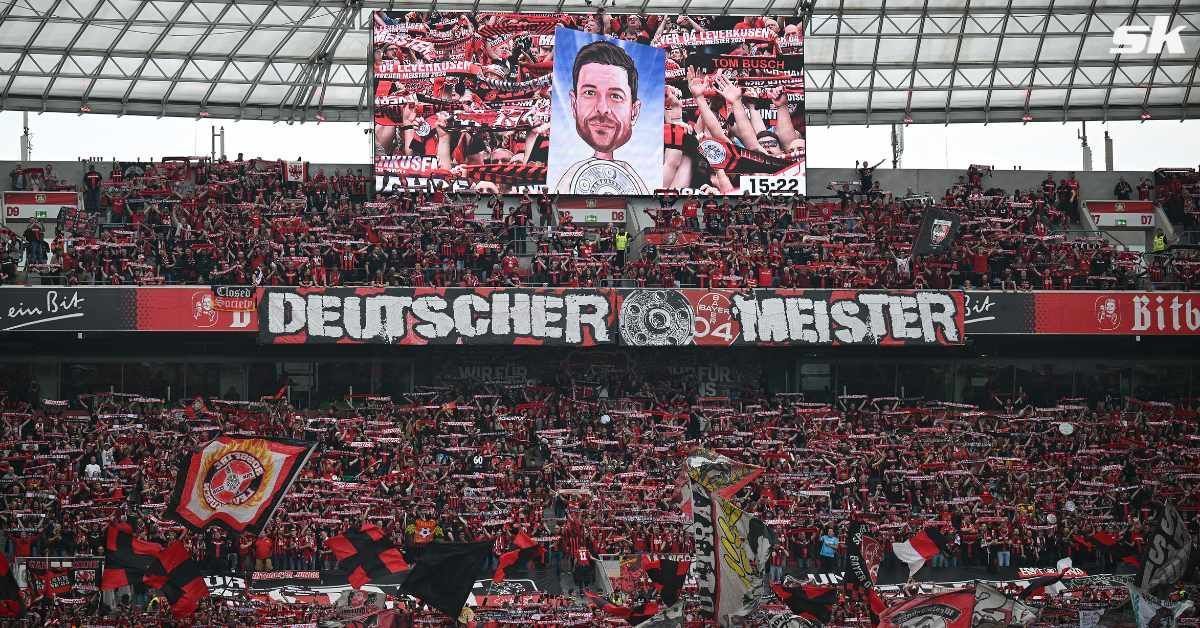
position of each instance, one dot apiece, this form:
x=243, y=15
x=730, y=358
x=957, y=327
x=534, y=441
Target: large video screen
x=589, y=104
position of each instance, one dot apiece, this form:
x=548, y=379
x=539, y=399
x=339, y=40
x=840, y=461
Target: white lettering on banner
x=978, y=309
x=705, y=566
x=1169, y=552
x=57, y=307
x=1183, y=315
x=1139, y=39
x=468, y=315
x=867, y=317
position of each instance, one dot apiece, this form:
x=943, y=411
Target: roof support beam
x=84, y=24
x=875, y=56
x=233, y=54
x=1158, y=59
x=313, y=5
x=833, y=65
x=1112, y=73
x=962, y=28
x=24, y=51
x=987, y=102
x=1087, y=24
x=150, y=52
x=195, y=47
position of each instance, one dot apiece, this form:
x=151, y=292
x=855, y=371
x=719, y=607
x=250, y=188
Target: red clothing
x=263, y=547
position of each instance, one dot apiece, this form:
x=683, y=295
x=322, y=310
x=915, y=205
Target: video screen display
x=589, y=104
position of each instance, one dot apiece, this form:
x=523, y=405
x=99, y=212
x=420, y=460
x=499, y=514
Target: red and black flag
x=1118, y=547
x=526, y=549
x=236, y=482
x=367, y=554
x=863, y=555
x=445, y=574
x=126, y=558
x=923, y=546
x=632, y=614
x=810, y=601
x=179, y=578
x=668, y=576
x=11, y=604
x=1050, y=583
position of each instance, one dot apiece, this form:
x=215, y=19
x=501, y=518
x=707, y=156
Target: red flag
x=951, y=609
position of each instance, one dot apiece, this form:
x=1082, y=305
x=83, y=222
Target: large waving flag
x=718, y=474
x=526, y=549
x=863, y=555
x=126, y=558
x=925, y=545
x=1150, y=612
x=12, y=606
x=366, y=554
x=179, y=578
x=995, y=609
x=1168, y=552
x=811, y=602
x=949, y=610
x=445, y=573
x=236, y=482
x=668, y=577
x=732, y=548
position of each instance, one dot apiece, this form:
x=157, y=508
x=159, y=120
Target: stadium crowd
x=244, y=222
x=593, y=469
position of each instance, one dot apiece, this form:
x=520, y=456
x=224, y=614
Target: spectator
x=1123, y=191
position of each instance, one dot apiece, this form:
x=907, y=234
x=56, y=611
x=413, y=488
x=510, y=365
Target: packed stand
x=249, y=222
x=591, y=469
x=862, y=237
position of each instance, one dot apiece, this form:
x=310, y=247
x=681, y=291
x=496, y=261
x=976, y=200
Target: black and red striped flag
x=126, y=558
x=526, y=549
x=634, y=615
x=668, y=576
x=179, y=578
x=810, y=601
x=367, y=554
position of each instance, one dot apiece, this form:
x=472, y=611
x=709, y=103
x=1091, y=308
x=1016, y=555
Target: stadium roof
x=869, y=61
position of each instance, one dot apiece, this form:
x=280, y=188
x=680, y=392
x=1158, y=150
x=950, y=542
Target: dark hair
x=606, y=53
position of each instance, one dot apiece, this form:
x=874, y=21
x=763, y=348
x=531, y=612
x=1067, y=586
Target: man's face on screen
x=604, y=108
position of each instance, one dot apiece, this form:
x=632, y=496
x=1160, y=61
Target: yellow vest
x=622, y=240
x=1160, y=244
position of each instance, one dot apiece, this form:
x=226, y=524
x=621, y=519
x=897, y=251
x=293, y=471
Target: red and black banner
x=366, y=554
x=585, y=317
x=864, y=553
x=1095, y=313
x=127, y=308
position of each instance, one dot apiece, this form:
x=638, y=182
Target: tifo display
x=588, y=104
